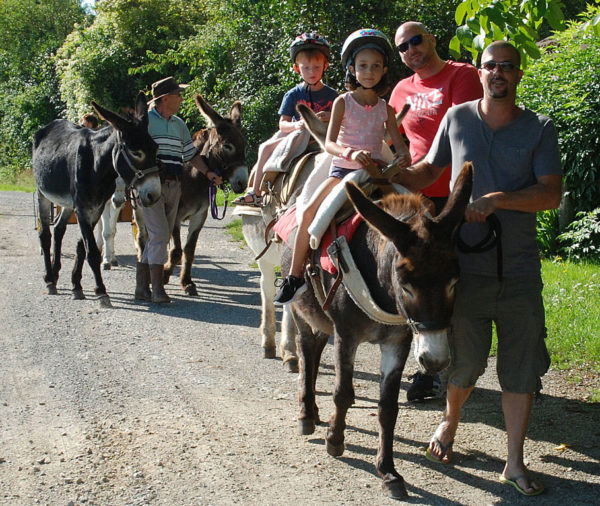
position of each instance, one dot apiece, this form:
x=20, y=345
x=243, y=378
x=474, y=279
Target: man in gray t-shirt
x=517, y=172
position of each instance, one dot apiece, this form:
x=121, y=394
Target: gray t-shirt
x=508, y=159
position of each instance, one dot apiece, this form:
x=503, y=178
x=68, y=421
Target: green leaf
x=465, y=36
x=531, y=49
x=479, y=42
x=473, y=24
x=555, y=16
x=461, y=12
x=454, y=47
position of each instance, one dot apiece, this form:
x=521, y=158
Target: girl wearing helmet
x=359, y=120
x=310, y=55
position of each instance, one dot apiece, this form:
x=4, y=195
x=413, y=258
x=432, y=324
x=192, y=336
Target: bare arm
x=199, y=164
x=418, y=176
x=286, y=125
x=545, y=194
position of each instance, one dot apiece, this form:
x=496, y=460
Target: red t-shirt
x=429, y=100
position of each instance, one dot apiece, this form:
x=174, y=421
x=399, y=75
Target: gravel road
x=174, y=405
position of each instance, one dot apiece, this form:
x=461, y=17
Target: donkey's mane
x=406, y=205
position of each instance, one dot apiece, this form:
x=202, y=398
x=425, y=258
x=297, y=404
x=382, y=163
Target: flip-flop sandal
x=445, y=449
x=506, y=481
x=241, y=200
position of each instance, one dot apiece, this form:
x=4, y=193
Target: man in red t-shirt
x=435, y=86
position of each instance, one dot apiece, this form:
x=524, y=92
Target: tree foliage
x=30, y=33
x=564, y=84
x=481, y=22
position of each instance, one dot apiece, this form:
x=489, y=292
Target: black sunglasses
x=505, y=66
x=413, y=41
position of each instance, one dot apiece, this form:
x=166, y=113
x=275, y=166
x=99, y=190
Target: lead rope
x=212, y=198
x=493, y=238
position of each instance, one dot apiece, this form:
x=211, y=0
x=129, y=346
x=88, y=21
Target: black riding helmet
x=309, y=40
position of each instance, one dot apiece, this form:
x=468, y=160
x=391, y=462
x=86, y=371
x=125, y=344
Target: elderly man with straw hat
x=174, y=148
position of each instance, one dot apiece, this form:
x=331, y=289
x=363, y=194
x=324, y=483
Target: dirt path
x=142, y=405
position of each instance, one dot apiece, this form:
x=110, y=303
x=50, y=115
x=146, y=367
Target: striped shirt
x=174, y=141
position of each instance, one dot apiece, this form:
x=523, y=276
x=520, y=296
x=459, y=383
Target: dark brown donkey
x=408, y=262
x=223, y=146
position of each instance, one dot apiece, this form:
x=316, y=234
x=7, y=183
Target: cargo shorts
x=516, y=307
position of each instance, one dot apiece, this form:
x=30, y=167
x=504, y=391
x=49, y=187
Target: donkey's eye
x=407, y=290
x=229, y=148
x=138, y=154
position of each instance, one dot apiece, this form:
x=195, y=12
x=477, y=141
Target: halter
x=138, y=174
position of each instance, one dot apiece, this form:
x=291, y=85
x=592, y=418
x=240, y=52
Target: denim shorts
x=339, y=172
x=516, y=306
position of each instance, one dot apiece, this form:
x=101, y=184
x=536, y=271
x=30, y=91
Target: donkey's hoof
x=291, y=365
x=306, y=427
x=394, y=486
x=335, y=450
x=78, y=294
x=106, y=266
x=105, y=301
x=269, y=352
x=191, y=290
x=52, y=289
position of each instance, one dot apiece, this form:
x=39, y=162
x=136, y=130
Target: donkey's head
x=223, y=144
x=419, y=254
x=134, y=154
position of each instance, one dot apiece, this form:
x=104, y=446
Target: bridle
x=120, y=150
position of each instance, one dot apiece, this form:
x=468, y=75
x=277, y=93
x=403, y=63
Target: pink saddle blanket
x=288, y=224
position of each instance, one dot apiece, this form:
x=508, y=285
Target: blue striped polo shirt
x=174, y=141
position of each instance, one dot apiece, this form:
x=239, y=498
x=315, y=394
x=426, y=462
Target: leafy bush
x=581, y=241
x=564, y=84
x=547, y=231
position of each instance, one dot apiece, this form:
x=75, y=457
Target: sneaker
x=424, y=386
x=289, y=291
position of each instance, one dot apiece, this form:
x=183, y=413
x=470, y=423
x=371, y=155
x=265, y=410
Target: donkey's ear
x=454, y=210
x=117, y=121
x=236, y=113
x=315, y=126
x=394, y=230
x=141, y=108
x=212, y=117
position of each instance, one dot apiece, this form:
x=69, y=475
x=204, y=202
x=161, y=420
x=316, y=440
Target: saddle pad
x=346, y=229
x=287, y=225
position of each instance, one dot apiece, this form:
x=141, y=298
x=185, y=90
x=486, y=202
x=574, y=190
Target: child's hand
x=324, y=116
x=299, y=125
x=361, y=156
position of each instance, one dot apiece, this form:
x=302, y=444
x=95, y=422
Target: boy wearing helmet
x=359, y=120
x=310, y=55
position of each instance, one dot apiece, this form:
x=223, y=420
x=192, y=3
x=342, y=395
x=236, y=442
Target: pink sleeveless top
x=363, y=127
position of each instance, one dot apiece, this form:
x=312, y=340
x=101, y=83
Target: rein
x=492, y=238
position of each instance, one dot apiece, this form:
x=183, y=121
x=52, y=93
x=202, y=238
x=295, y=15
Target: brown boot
x=142, y=282
x=159, y=296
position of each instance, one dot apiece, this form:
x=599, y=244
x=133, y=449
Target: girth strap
x=340, y=272
x=268, y=240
